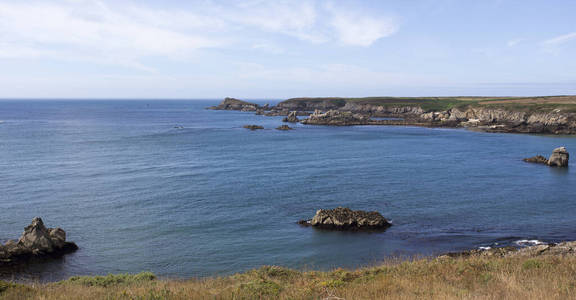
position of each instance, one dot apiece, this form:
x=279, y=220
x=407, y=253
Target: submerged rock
x=342, y=218
x=284, y=127
x=292, y=117
x=36, y=241
x=559, y=157
x=253, y=127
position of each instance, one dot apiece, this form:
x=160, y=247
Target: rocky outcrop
x=253, y=127
x=538, y=159
x=36, y=241
x=342, y=218
x=559, y=158
x=311, y=104
x=554, y=249
x=292, y=117
x=284, y=127
x=235, y=104
x=336, y=118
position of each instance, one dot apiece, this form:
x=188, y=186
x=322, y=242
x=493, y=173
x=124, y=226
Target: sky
x=281, y=49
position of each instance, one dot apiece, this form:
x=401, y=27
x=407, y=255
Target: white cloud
x=92, y=31
x=126, y=33
x=358, y=29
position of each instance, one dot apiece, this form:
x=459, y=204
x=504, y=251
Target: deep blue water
x=137, y=194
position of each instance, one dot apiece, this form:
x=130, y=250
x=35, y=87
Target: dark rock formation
x=235, y=104
x=539, y=159
x=253, y=127
x=36, y=241
x=292, y=117
x=336, y=118
x=559, y=157
x=284, y=127
x=342, y=218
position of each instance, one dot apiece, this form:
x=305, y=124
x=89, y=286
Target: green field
x=543, y=103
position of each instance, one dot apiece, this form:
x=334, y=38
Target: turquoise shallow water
x=137, y=194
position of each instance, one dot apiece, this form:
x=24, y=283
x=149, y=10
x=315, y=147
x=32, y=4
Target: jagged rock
x=235, y=104
x=36, y=241
x=336, y=118
x=559, y=157
x=284, y=127
x=342, y=218
x=253, y=127
x=292, y=117
x=539, y=159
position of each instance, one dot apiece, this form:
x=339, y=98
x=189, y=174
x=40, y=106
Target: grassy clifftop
x=548, y=277
x=544, y=103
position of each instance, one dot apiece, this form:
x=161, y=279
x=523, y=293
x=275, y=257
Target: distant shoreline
x=537, y=115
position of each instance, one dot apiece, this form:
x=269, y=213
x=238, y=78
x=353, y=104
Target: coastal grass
x=527, y=104
x=474, y=277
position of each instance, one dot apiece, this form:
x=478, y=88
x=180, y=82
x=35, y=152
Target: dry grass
x=534, y=100
x=462, y=278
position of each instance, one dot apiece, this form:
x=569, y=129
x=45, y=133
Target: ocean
x=170, y=187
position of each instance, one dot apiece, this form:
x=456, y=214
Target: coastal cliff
x=545, y=115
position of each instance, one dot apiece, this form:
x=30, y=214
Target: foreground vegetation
x=545, y=277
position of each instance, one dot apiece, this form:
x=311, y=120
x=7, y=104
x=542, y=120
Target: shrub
x=111, y=279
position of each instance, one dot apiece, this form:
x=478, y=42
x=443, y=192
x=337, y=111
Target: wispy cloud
x=555, y=44
x=125, y=33
x=559, y=40
x=515, y=42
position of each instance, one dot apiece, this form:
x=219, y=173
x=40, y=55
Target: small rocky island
x=284, y=127
x=343, y=218
x=36, y=241
x=253, y=127
x=559, y=158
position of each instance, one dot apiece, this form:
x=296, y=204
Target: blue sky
x=281, y=49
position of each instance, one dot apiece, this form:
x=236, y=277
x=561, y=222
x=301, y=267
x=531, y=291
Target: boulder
x=37, y=240
x=342, y=218
x=284, y=127
x=253, y=127
x=559, y=157
x=292, y=117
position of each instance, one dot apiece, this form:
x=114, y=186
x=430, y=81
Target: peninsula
x=542, y=115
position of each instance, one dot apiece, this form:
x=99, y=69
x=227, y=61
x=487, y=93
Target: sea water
x=170, y=187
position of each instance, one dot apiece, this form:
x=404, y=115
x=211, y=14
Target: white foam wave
x=528, y=242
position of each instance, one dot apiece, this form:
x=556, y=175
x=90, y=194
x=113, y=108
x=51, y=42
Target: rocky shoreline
x=342, y=112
